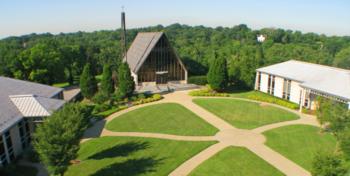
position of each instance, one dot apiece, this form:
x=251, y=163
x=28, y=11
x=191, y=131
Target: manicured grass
x=235, y=161
x=243, y=114
x=121, y=156
x=168, y=118
x=300, y=143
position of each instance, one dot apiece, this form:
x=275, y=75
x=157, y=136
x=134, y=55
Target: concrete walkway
x=228, y=135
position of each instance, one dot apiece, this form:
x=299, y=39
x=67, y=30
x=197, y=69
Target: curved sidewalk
x=228, y=135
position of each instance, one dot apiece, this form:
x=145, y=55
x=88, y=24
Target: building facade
x=23, y=104
x=302, y=82
x=153, y=61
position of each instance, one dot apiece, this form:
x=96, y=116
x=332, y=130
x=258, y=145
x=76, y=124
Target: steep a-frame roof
x=140, y=48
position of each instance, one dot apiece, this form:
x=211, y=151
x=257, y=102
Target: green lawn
x=299, y=143
x=168, y=118
x=243, y=114
x=235, y=161
x=121, y=156
x=61, y=85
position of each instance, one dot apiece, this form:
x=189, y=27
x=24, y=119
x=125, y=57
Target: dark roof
x=9, y=113
x=140, y=48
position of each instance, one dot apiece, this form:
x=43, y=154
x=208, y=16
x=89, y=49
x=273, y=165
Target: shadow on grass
x=120, y=150
x=95, y=130
x=130, y=167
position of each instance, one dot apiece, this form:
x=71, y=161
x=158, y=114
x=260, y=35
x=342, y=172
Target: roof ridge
x=321, y=65
x=20, y=80
x=35, y=98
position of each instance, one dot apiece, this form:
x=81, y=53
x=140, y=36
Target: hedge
x=198, y=80
x=208, y=93
x=270, y=99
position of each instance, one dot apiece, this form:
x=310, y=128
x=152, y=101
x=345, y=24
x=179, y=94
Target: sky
x=19, y=17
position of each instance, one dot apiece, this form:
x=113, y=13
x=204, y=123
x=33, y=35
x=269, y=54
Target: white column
x=303, y=95
x=349, y=104
x=256, y=80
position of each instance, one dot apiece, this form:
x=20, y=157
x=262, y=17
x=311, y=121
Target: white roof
x=35, y=106
x=325, y=79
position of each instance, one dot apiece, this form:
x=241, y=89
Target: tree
x=88, y=84
x=41, y=63
x=344, y=143
x=126, y=84
x=328, y=164
x=107, y=85
x=57, y=139
x=334, y=114
x=217, y=75
x=342, y=59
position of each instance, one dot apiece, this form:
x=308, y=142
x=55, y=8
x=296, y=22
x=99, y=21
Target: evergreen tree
x=217, y=75
x=88, y=84
x=126, y=85
x=107, y=85
x=57, y=140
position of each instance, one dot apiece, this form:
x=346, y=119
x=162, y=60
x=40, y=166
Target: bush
x=154, y=97
x=157, y=96
x=198, y=80
x=141, y=96
x=270, y=99
x=100, y=107
x=100, y=98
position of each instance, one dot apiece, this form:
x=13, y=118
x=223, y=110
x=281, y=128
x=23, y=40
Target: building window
x=286, y=89
x=3, y=160
x=259, y=80
x=271, y=85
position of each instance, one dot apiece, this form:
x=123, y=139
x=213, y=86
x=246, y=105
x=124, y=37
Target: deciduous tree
x=57, y=139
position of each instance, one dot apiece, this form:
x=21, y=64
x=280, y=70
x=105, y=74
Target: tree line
x=49, y=59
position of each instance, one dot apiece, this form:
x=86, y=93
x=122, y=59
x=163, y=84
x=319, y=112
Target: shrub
x=100, y=107
x=100, y=98
x=199, y=80
x=157, y=96
x=133, y=98
x=141, y=96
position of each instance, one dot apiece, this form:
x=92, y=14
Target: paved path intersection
x=228, y=135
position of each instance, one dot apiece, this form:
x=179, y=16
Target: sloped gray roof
x=325, y=79
x=140, y=48
x=9, y=113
